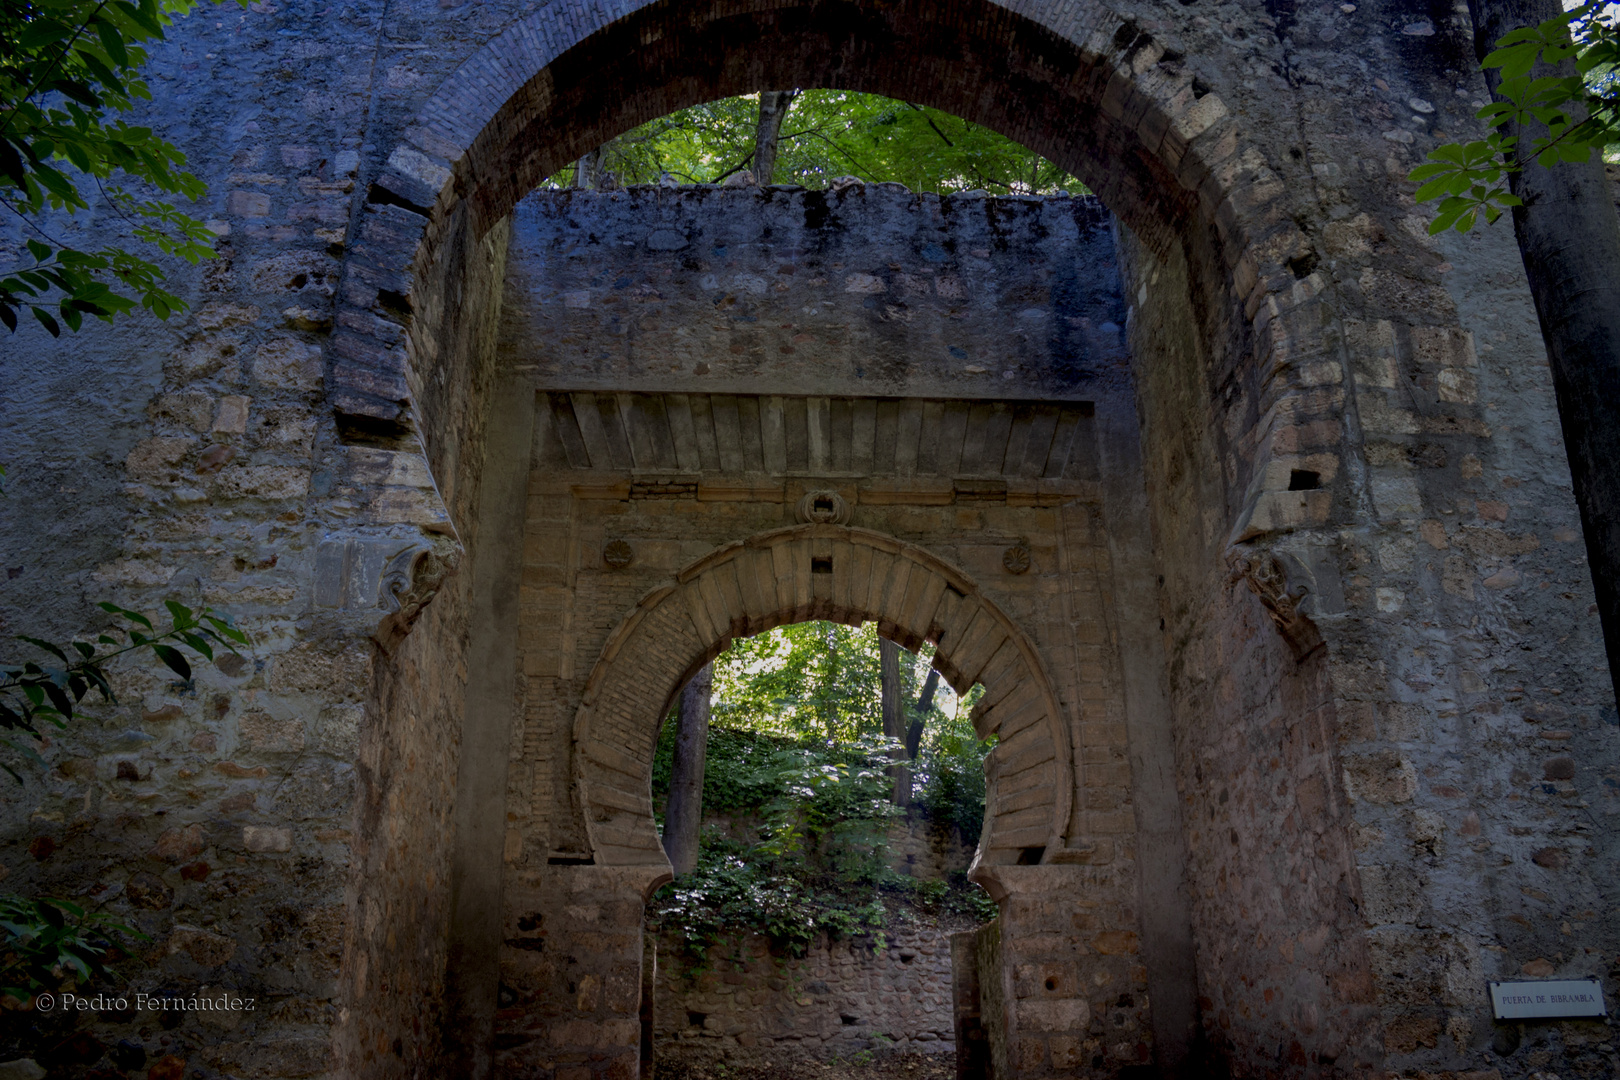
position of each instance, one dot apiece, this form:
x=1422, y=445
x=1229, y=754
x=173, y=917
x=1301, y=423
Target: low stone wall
x=920, y=848
x=841, y=998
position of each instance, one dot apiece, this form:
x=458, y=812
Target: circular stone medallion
x=617, y=554
x=1017, y=558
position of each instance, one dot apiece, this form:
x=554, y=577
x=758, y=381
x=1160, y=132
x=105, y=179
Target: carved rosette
x=617, y=554
x=1017, y=559
x=824, y=508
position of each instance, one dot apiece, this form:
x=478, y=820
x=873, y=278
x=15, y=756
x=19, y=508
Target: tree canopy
x=815, y=680
x=827, y=134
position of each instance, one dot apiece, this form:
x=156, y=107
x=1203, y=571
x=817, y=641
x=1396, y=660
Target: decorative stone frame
x=847, y=575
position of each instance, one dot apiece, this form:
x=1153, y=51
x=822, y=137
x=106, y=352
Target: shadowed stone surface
x=1319, y=630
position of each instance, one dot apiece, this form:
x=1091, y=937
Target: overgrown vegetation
x=798, y=770
x=51, y=943
x=49, y=689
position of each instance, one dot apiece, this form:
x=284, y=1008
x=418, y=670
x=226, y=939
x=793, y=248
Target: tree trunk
x=585, y=170
x=919, y=714
x=683, y=815
x=894, y=721
x=773, y=109
x=1569, y=236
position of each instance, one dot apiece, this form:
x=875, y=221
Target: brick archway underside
x=846, y=575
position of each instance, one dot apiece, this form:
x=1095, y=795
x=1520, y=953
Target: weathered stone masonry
x=1318, y=631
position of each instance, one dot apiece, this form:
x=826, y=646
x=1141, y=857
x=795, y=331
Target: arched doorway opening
x=843, y=575
x=1227, y=270
x=1035, y=852
x=1080, y=85
x=817, y=892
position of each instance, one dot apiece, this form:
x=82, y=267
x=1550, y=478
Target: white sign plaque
x=1557, y=998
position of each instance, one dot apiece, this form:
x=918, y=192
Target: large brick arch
x=847, y=575
x=1070, y=79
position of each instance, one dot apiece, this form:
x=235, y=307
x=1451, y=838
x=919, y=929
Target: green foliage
x=66, y=68
x=820, y=814
x=733, y=888
x=796, y=759
x=948, y=775
x=46, y=942
x=1581, y=113
x=829, y=134
x=804, y=679
x=50, y=689
x=737, y=777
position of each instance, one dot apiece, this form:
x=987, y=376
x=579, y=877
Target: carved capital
x=1282, y=584
x=411, y=579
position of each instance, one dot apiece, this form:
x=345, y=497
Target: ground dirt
x=887, y=1067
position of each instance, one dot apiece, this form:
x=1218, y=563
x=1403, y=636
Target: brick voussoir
x=365, y=351
x=369, y=384
x=418, y=196
x=362, y=320
x=346, y=402
x=397, y=279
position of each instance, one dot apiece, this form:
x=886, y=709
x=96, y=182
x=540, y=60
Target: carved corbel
x=1283, y=586
x=411, y=579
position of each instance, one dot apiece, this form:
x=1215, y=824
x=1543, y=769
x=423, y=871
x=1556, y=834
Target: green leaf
x=199, y=644
x=11, y=718
x=174, y=658
x=26, y=751
x=1450, y=184
x=1424, y=172
x=40, y=643
x=228, y=628
x=132, y=616
x=59, y=699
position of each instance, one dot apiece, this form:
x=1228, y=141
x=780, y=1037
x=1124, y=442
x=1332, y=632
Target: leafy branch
x=47, y=940
x=1580, y=112
x=65, y=67
x=50, y=690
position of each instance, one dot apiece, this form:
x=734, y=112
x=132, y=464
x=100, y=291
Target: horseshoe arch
x=846, y=575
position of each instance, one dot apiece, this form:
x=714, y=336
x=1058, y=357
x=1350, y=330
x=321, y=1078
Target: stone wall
x=892, y=990
x=868, y=290
x=839, y=999
x=1275, y=896
x=1291, y=317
